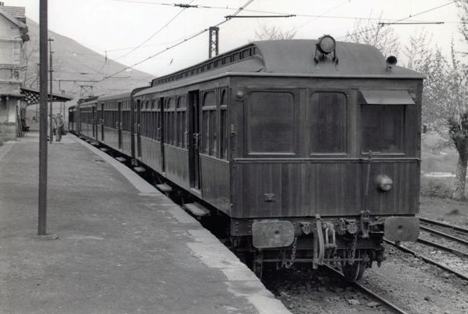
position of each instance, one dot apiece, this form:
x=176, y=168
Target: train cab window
x=270, y=119
x=383, y=120
x=208, y=131
x=327, y=122
x=383, y=128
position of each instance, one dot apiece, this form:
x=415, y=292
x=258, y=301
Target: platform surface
x=114, y=244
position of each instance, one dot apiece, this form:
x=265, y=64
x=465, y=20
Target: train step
x=139, y=169
x=121, y=159
x=197, y=209
x=104, y=149
x=164, y=187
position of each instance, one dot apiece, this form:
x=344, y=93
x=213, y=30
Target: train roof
x=289, y=58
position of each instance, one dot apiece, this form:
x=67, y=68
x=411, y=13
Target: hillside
x=77, y=68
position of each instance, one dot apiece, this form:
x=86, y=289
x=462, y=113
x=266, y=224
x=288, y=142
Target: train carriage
x=311, y=148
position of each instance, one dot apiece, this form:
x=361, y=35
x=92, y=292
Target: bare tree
x=373, y=33
x=273, y=32
x=445, y=100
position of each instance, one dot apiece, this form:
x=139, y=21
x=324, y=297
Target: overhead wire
x=400, y=20
x=138, y=46
x=240, y=9
x=155, y=33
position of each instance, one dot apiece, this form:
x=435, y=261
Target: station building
x=13, y=36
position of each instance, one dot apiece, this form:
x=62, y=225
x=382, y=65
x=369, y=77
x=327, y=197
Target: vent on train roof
x=211, y=64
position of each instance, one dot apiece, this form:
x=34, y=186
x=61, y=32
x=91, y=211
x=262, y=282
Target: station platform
x=114, y=244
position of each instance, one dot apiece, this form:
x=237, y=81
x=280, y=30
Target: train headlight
x=384, y=182
x=326, y=44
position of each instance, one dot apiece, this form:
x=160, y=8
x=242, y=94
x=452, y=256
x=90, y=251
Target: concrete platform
x=114, y=245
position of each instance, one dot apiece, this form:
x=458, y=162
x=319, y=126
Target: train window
x=181, y=122
x=208, y=131
x=383, y=128
x=224, y=126
x=158, y=119
x=328, y=122
x=270, y=123
x=169, y=121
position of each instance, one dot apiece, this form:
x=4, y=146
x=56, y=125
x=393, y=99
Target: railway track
x=444, y=237
x=391, y=306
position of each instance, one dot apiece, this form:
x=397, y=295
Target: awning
x=387, y=97
x=31, y=96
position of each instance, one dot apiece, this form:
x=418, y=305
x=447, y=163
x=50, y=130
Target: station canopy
x=31, y=96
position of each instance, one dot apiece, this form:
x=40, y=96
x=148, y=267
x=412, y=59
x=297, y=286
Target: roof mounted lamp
x=391, y=62
x=324, y=46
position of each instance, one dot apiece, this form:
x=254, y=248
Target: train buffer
x=197, y=209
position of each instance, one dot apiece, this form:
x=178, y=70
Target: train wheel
x=355, y=271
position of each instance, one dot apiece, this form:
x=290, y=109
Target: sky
x=140, y=33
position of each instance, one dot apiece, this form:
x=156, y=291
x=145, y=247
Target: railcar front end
x=326, y=164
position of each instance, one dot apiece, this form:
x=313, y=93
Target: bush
x=437, y=187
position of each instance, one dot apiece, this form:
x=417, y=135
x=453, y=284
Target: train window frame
x=249, y=141
x=389, y=101
x=343, y=151
x=168, y=124
x=181, y=121
x=209, y=124
x=223, y=152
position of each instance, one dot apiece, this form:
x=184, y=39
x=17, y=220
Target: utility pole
x=51, y=95
x=42, y=219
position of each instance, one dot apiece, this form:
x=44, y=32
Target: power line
x=157, y=32
x=400, y=20
x=177, y=44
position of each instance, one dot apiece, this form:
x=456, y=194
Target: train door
x=101, y=122
x=119, y=124
x=138, y=129
x=194, y=139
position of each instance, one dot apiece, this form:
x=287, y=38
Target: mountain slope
x=77, y=70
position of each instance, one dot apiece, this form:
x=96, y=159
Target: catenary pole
x=51, y=96
x=42, y=219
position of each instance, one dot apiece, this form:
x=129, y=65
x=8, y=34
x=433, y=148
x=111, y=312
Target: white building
x=13, y=35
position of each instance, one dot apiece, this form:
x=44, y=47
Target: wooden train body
x=312, y=152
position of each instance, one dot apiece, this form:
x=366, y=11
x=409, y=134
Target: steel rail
x=445, y=235
x=428, y=260
x=389, y=304
x=445, y=225
x=443, y=248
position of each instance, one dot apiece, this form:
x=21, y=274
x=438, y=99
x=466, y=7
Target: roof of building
x=31, y=96
x=15, y=15
x=18, y=13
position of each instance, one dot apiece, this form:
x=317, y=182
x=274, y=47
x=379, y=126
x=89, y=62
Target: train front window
x=383, y=128
x=327, y=122
x=271, y=123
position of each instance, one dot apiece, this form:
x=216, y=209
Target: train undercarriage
x=352, y=244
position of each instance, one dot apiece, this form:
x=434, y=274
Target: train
x=306, y=151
